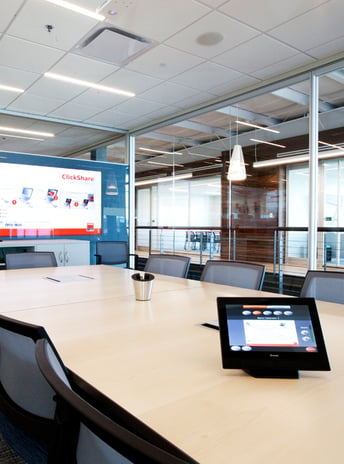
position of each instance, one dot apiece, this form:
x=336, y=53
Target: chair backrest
x=237, y=274
x=172, y=265
x=324, y=285
x=30, y=259
x=101, y=438
x=111, y=252
x=26, y=398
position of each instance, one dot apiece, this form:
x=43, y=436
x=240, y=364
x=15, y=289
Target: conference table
x=157, y=360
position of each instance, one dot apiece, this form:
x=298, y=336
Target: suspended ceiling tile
x=194, y=100
x=50, y=88
x=8, y=9
x=17, y=78
x=213, y=3
x=99, y=99
x=134, y=122
x=79, y=67
x=35, y=104
x=32, y=124
x=252, y=56
x=234, y=84
x=73, y=111
x=168, y=92
x=68, y=26
x=206, y=76
x=163, y=112
x=155, y=19
x=138, y=107
x=14, y=121
x=266, y=14
x=6, y=98
x=110, y=118
x=164, y=62
x=318, y=26
x=74, y=132
x=124, y=78
x=27, y=56
x=196, y=39
x=19, y=146
x=327, y=49
x=283, y=66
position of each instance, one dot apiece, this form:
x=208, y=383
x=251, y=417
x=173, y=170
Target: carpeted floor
x=7, y=455
x=16, y=447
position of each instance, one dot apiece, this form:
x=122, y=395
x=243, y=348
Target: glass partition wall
x=186, y=204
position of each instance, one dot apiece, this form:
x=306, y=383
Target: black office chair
x=26, y=399
x=324, y=285
x=171, y=265
x=30, y=259
x=237, y=274
x=113, y=253
x=98, y=430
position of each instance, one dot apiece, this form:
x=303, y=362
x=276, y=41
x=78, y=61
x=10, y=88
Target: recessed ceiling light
x=21, y=137
x=163, y=179
x=104, y=88
x=161, y=151
x=166, y=164
x=25, y=131
x=10, y=89
x=256, y=126
x=331, y=145
x=77, y=9
x=296, y=159
x=269, y=143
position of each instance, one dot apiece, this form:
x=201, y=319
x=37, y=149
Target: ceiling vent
x=113, y=45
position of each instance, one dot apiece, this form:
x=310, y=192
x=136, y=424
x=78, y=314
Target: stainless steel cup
x=143, y=284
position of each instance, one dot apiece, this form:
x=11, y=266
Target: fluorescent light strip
x=77, y=9
x=104, y=88
x=331, y=145
x=163, y=179
x=11, y=89
x=20, y=137
x=165, y=164
x=161, y=151
x=269, y=143
x=28, y=132
x=258, y=127
x=296, y=159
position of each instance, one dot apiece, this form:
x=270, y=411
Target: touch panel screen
x=271, y=337
x=262, y=327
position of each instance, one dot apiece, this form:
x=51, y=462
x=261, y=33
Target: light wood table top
x=155, y=359
x=40, y=287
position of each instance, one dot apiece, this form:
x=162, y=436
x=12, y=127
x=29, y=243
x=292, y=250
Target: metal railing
x=283, y=250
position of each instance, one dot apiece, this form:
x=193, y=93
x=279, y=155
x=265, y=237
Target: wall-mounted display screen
x=48, y=200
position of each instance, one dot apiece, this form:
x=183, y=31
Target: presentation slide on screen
x=40, y=200
x=270, y=332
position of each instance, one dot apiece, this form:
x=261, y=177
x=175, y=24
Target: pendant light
x=237, y=170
